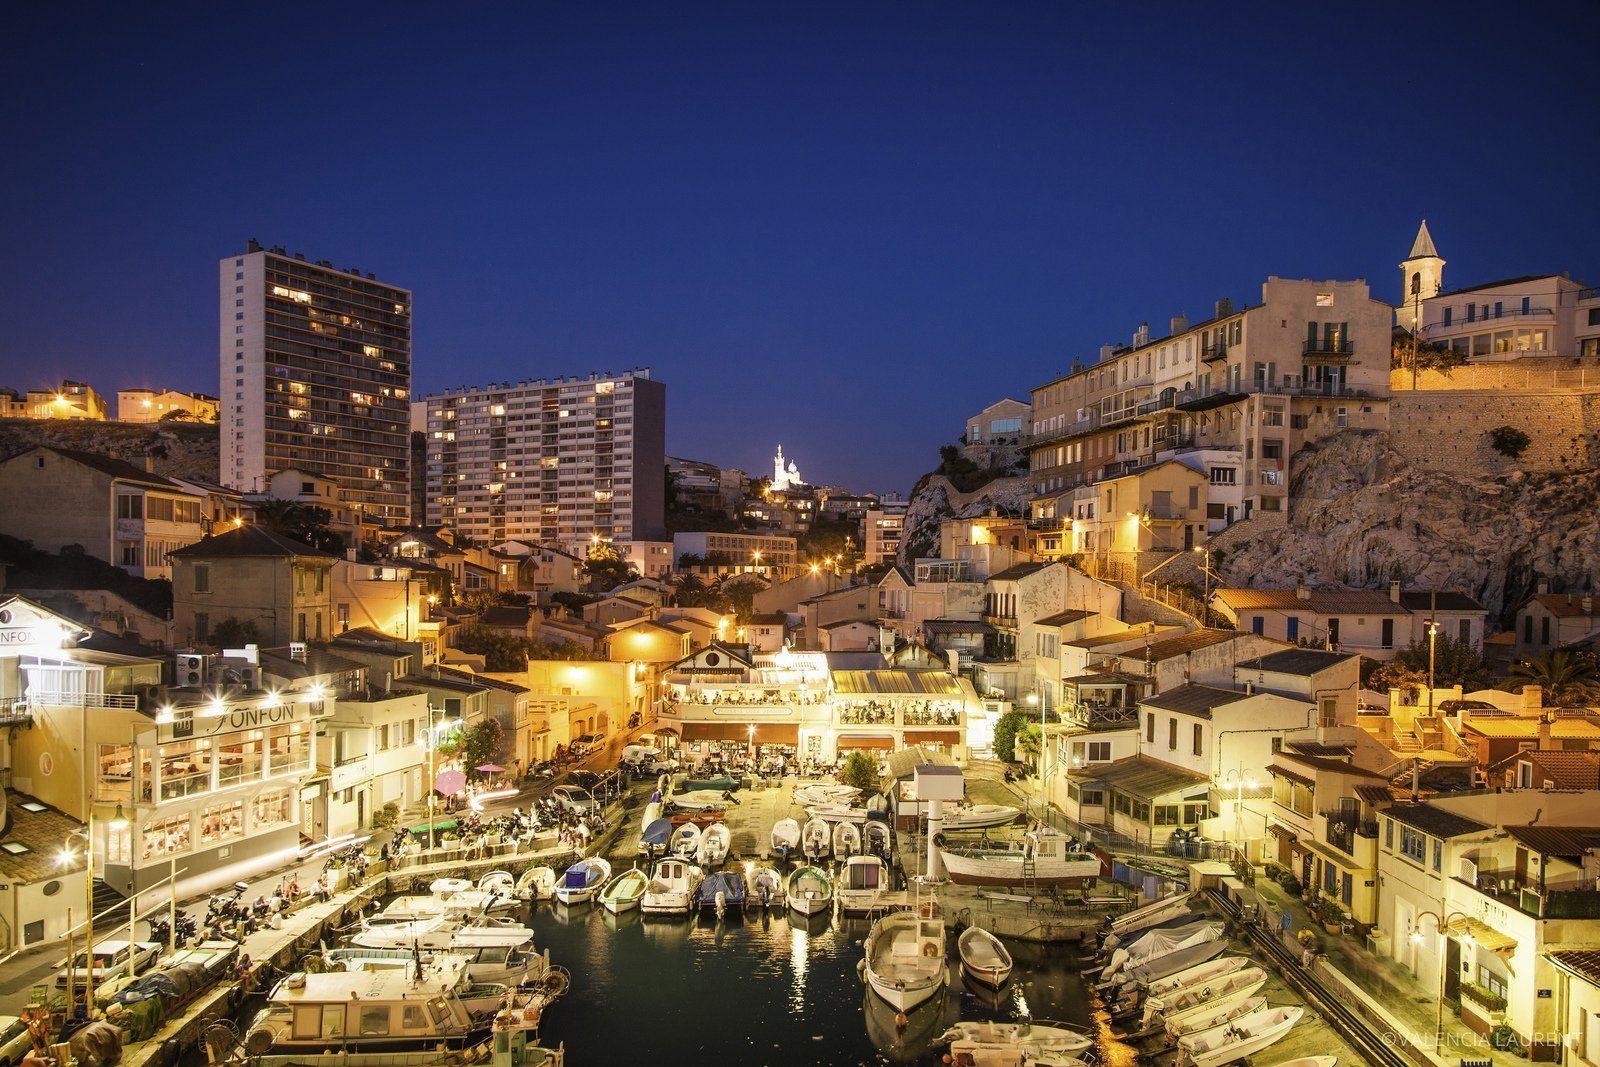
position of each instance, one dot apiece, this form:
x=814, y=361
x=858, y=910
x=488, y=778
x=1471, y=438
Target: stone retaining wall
x=1449, y=429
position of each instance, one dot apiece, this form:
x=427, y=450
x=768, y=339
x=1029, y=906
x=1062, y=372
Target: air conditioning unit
x=1469, y=871
x=240, y=675
x=192, y=669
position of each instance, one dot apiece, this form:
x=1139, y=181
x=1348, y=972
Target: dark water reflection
x=773, y=988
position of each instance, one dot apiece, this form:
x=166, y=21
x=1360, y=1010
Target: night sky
x=845, y=229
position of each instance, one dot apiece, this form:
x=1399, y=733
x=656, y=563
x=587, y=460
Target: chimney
x=1543, y=586
x=1394, y=591
x=1545, y=744
x=1532, y=698
x=149, y=464
x=1588, y=604
x=1105, y=352
x=1141, y=336
x=1301, y=592
x=1180, y=323
x=1224, y=307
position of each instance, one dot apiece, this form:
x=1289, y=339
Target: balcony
x=1328, y=348
x=58, y=699
x=1349, y=833
x=1562, y=900
x=1214, y=352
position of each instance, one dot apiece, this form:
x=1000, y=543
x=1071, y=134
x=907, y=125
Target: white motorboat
x=905, y=956
x=506, y=964
x=836, y=812
x=536, y=883
x=1159, y=942
x=671, y=889
x=583, y=880
x=713, y=848
x=1037, y=1043
x=1165, y=994
x=816, y=840
x=1207, y=1016
x=1242, y=983
x=979, y=817
x=766, y=888
x=445, y=933
x=863, y=882
x=846, y=840
x=1172, y=962
x=876, y=837
x=1235, y=1040
x=810, y=891
x=1140, y=919
x=785, y=838
x=495, y=891
x=1040, y=858
x=983, y=957
x=698, y=800
x=817, y=793
x=685, y=841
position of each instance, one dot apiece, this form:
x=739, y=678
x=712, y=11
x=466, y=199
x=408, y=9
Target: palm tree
x=1569, y=678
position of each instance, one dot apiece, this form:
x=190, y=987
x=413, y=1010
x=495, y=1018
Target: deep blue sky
x=844, y=229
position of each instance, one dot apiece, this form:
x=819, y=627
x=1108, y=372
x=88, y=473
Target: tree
x=301, y=522
x=1005, y=734
x=831, y=538
x=233, y=633
x=1030, y=739
x=1570, y=678
x=861, y=772
x=1509, y=441
x=1408, y=352
x=573, y=602
x=1455, y=662
x=741, y=591
x=605, y=566
x=483, y=742
x=500, y=651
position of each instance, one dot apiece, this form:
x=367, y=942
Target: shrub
x=1289, y=884
x=386, y=817
x=1509, y=441
x=1482, y=995
x=1504, y=1039
x=860, y=771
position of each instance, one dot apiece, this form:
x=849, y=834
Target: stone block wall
x=1449, y=429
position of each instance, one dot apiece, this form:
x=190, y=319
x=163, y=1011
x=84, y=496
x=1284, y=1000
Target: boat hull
x=666, y=904
x=906, y=996
x=971, y=870
x=809, y=905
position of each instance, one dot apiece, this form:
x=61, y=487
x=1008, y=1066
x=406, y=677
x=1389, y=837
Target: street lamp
x=1237, y=779
x=1433, y=634
x=434, y=729
x=118, y=821
x=1442, y=926
x=1205, y=567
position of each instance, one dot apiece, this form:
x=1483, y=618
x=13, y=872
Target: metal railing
x=1336, y=346
x=55, y=698
x=15, y=713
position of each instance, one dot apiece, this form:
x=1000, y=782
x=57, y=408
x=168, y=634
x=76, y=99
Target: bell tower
x=1421, y=277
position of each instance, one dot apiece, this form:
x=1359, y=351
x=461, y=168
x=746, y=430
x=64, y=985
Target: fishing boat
x=816, y=840
x=495, y=891
x=624, y=891
x=810, y=891
x=1240, y=1038
x=1040, y=858
x=497, y=963
x=671, y=888
x=1207, y=1016
x=1159, y=942
x=902, y=1037
x=766, y=888
x=846, y=840
x=817, y=793
x=904, y=961
x=1036, y=1042
x=1235, y=985
x=979, y=817
x=876, y=838
x=721, y=891
x=445, y=933
x=377, y=1011
x=983, y=956
x=785, y=838
x=1167, y=993
x=713, y=847
x=654, y=838
x=583, y=880
x=685, y=841
x=1140, y=919
x=863, y=881
x=536, y=883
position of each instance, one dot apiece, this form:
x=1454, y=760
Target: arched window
x=1416, y=283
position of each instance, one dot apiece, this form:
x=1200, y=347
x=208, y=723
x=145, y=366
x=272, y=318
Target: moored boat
x=654, y=838
x=1176, y=991
x=1235, y=985
x=983, y=956
x=1041, y=858
x=671, y=888
x=846, y=840
x=1206, y=1016
x=624, y=891
x=809, y=891
x=445, y=933
x=1035, y=1043
x=979, y=817
x=713, y=848
x=1239, y=1038
x=1140, y=919
x=496, y=963
x=876, y=838
x=785, y=838
x=863, y=881
x=583, y=880
x=904, y=961
x=685, y=841
x=1159, y=942
x=766, y=888
x=536, y=883
x=1177, y=960
x=816, y=840
x=721, y=892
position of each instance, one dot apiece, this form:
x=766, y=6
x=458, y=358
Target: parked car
x=14, y=1041
x=585, y=780
x=110, y=958
x=575, y=799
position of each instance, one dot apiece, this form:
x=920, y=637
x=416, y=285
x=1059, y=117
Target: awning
x=717, y=731
x=915, y=736
x=883, y=744
x=1482, y=933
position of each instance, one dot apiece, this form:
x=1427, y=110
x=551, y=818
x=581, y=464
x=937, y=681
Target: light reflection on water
x=772, y=988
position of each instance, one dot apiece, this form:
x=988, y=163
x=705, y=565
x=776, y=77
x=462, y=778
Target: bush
x=860, y=771
x=1504, y=1039
x=1290, y=884
x=1482, y=995
x=386, y=817
x=1509, y=441
x=1005, y=734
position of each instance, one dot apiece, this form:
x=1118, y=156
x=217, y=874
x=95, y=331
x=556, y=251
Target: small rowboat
x=983, y=957
x=624, y=891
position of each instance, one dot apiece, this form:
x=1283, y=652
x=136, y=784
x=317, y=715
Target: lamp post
x=433, y=765
x=1237, y=779
x=118, y=821
x=1433, y=634
x=1205, y=568
x=1442, y=926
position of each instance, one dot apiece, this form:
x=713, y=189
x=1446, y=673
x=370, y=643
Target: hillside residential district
x=306, y=616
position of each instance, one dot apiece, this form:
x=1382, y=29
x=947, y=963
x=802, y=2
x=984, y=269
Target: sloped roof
x=1582, y=962
x=280, y=664
x=1195, y=699
x=1303, y=662
x=1422, y=247
x=249, y=541
x=848, y=622
x=1564, y=605
x=1143, y=776
x=1019, y=570
x=1331, y=764
x=479, y=680
x=1435, y=822
x=1318, y=601
x=957, y=626
x=769, y=618
x=40, y=832
x=1567, y=770
x=1375, y=796
x=1520, y=727
x=896, y=681
x=1421, y=601
x=1062, y=618
x=1564, y=841
x=1181, y=644
x=116, y=468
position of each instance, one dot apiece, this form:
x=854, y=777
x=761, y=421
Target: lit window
x=1324, y=300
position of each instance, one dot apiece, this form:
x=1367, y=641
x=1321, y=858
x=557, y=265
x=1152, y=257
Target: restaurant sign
x=206, y=720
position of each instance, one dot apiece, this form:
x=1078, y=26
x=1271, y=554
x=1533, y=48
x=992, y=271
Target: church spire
x=1422, y=247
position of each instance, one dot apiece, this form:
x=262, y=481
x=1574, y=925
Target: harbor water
x=770, y=988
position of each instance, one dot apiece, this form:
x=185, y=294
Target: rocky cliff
x=1362, y=515
x=934, y=500
x=182, y=450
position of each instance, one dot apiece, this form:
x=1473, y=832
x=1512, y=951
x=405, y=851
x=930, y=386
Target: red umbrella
x=450, y=783
x=490, y=768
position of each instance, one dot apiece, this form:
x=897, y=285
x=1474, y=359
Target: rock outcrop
x=934, y=500
x=179, y=449
x=1362, y=515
